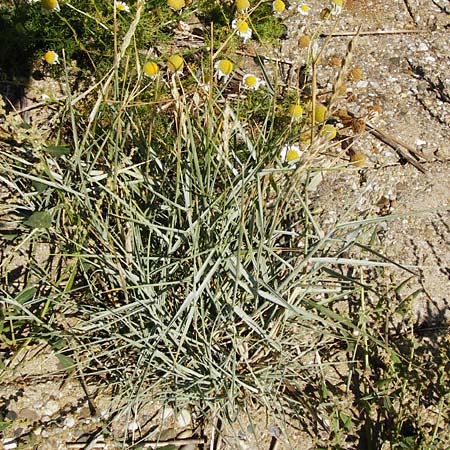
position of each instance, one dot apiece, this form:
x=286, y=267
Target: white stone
x=167, y=412
x=423, y=47
x=51, y=407
x=420, y=142
x=133, y=426
x=9, y=444
x=184, y=418
x=69, y=422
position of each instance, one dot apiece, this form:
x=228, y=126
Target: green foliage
x=187, y=249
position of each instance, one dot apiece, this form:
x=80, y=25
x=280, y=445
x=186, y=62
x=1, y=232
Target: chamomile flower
x=151, y=69
x=50, y=6
x=336, y=7
x=303, y=9
x=290, y=153
x=252, y=82
x=176, y=5
x=175, y=63
x=242, y=29
x=320, y=113
x=242, y=5
x=296, y=111
x=328, y=131
x=122, y=6
x=51, y=57
x=278, y=6
x=224, y=67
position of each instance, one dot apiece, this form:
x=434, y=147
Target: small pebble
x=9, y=444
x=167, y=412
x=133, y=426
x=420, y=142
x=184, y=418
x=51, y=407
x=84, y=412
x=29, y=414
x=69, y=422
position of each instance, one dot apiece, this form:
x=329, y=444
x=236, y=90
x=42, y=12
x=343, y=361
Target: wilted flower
x=278, y=6
x=176, y=5
x=296, y=111
x=51, y=57
x=224, y=67
x=151, y=69
x=122, y=6
x=320, y=112
x=50, y=5
x=252, y=82
x=336, y=7
x=242, y=5
x=175, y=63
x=242, y=29
x=290, y=153
x=328, y=131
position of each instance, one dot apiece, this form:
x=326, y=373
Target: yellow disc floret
x=175, y=63
x=225, y=66
x=278, y=6
x=295, y=111
x=292, y=154
x=176, y=5
x=242, y=26
x=320, y=113
x=328, y=131
x=151, y=69
x=51, y=57
x=50, y=5
x=250, y=81
x=242, y=5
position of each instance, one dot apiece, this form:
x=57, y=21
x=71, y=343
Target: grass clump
x=184, y=263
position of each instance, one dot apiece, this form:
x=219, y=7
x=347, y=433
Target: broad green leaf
x=66, y=362
x=39, y=219
x=25, y=295
x=57, y=150
x=40, y=187
x=346, y=421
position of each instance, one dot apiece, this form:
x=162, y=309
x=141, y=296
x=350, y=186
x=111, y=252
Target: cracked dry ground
x=406, y=73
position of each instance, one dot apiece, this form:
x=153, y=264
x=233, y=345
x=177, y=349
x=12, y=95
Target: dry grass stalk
x=340, y=79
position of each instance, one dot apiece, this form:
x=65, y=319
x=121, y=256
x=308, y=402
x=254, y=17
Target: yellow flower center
x=177, y=5
x=151, y=68
x=242, y=26
x=49, y=5
x=250, y=81
x=278, y=6
x=225, y=66
x=242, y=5
x=304, y=8
x=175, y=63
x=329, y=131
x=50, y=57
x=320, y=113
x=292, y=154
x=296, y=111
x=337, y=2
x=120, y=6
